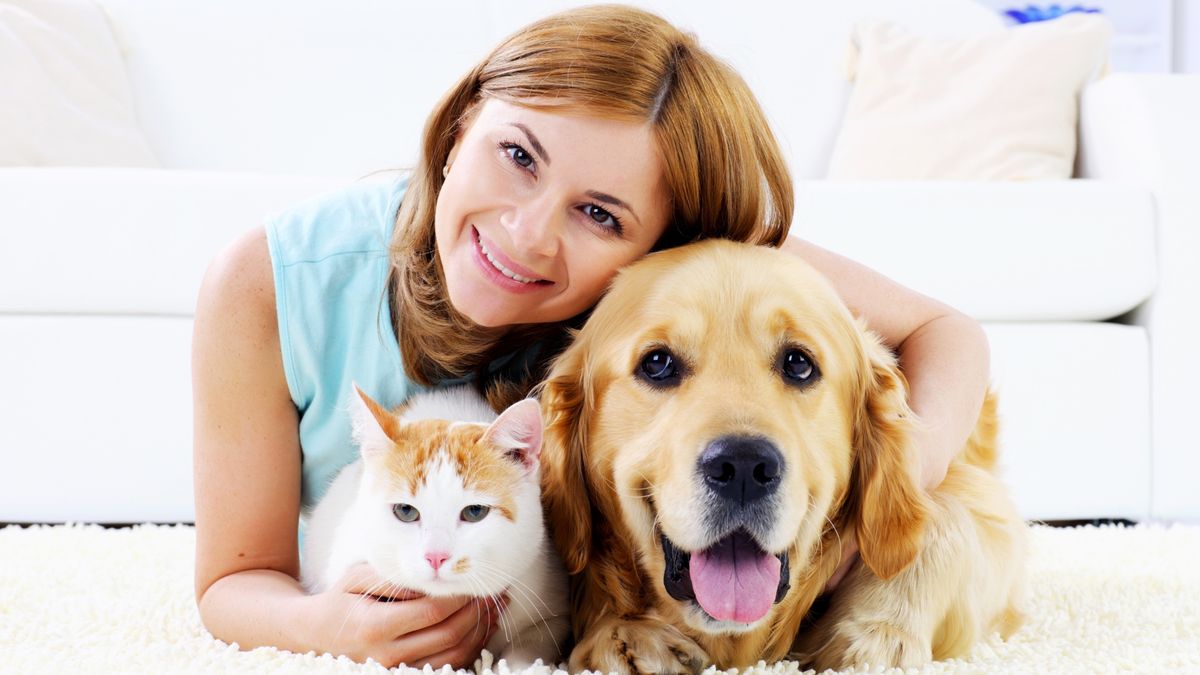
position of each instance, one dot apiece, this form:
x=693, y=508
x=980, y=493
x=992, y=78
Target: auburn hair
x=724, y=172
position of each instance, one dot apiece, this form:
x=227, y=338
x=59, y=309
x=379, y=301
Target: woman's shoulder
x=238, y=288
x=353, y=219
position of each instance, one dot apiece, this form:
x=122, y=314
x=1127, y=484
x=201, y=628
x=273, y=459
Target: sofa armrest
x=1142, y=129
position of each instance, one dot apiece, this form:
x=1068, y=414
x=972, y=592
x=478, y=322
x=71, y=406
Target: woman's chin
x=481, y=312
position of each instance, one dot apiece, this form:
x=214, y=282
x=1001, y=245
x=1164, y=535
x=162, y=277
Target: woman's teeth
x=503, y=270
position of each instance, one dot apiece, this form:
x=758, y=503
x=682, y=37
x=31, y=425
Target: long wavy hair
x=724, y=172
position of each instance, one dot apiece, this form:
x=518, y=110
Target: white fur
x=354, y=523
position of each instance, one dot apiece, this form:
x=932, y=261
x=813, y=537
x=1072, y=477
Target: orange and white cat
x=445, y=500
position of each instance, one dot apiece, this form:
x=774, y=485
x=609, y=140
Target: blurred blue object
x=1033, y=13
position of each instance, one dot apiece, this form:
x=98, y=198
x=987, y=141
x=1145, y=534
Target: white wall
x=1187, y=36
x=1148, y=34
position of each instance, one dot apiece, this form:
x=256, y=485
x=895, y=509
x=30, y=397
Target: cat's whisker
x=513, y=582
x=495, y=600
x=362, y=597
x=532, y=599
x=505, y=616
x=477, y=591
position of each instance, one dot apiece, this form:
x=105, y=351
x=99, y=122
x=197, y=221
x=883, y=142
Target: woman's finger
x=457, y=635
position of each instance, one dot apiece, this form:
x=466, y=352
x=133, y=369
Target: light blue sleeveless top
x=330, y=263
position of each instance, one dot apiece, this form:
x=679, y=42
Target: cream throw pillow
x=1000, y=106
x=65, y=99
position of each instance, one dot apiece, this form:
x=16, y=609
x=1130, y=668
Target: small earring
x=446, y=170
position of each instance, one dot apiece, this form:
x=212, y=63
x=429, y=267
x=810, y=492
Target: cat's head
x=453, y=508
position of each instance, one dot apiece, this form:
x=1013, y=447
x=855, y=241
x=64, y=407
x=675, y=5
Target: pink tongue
x=735, y=580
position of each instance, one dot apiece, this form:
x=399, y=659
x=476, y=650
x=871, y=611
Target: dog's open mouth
x=732, y=580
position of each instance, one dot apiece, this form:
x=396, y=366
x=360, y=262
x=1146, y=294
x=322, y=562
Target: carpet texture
x=85, y=599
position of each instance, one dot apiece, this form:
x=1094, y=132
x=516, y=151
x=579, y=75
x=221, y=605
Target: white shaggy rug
x=85, y=599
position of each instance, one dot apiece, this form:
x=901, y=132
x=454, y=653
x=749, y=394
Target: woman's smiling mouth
x=499, y=268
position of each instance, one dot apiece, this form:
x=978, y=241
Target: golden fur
x=939, y=570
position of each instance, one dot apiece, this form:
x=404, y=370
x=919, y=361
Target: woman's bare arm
x=246, y=454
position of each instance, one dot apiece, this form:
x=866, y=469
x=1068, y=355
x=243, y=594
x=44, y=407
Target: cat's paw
x=637, y=646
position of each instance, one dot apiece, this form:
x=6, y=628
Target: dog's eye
x=659, y=367
x=797, y=367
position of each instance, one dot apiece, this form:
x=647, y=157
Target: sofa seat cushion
x=1073, y=444
x=1071, y=250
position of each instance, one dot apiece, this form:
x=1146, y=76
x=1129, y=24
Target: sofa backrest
x=321, y=88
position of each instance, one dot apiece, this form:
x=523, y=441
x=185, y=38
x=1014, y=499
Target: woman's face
x=539, y=210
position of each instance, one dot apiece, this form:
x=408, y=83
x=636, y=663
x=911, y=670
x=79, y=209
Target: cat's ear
x=373, y=427
x=518, y=430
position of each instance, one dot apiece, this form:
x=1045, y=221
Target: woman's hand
x=364, y=617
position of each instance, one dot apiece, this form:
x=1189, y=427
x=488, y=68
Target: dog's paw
x=873, y=645
x=637, y=646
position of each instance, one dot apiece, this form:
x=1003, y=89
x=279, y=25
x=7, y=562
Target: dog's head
x=718, y=409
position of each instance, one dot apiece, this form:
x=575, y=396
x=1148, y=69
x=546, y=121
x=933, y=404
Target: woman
x=581, y=143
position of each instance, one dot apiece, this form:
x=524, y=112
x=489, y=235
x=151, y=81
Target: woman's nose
x=534, y=227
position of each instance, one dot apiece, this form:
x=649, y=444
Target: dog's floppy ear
x=566, y=396
x=890, y=507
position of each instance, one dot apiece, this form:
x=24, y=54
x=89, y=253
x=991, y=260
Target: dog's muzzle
x=732, y=580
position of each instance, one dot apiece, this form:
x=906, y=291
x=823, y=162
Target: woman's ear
x=890, y=507
x=566, y=396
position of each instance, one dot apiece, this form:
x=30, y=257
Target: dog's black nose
x=741, y=469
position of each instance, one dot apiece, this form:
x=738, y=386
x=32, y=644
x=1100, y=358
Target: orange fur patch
x=483, y=468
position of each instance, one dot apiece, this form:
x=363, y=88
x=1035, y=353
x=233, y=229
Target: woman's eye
x=475, y=513
x=406, y=513
x=601, y=217
x=518, y=155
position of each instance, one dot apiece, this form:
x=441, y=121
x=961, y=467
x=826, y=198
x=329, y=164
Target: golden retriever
x=714, y=431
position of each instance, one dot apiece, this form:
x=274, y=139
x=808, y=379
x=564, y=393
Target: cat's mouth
x=734, y=579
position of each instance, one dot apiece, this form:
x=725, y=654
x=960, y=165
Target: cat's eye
x=475, y=513
x=406, y=513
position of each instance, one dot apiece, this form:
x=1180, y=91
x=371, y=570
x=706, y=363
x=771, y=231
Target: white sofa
x=251, y=107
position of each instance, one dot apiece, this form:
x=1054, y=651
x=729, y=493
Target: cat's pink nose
x=436, y=558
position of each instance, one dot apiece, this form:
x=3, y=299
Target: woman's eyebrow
x=537, y=146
